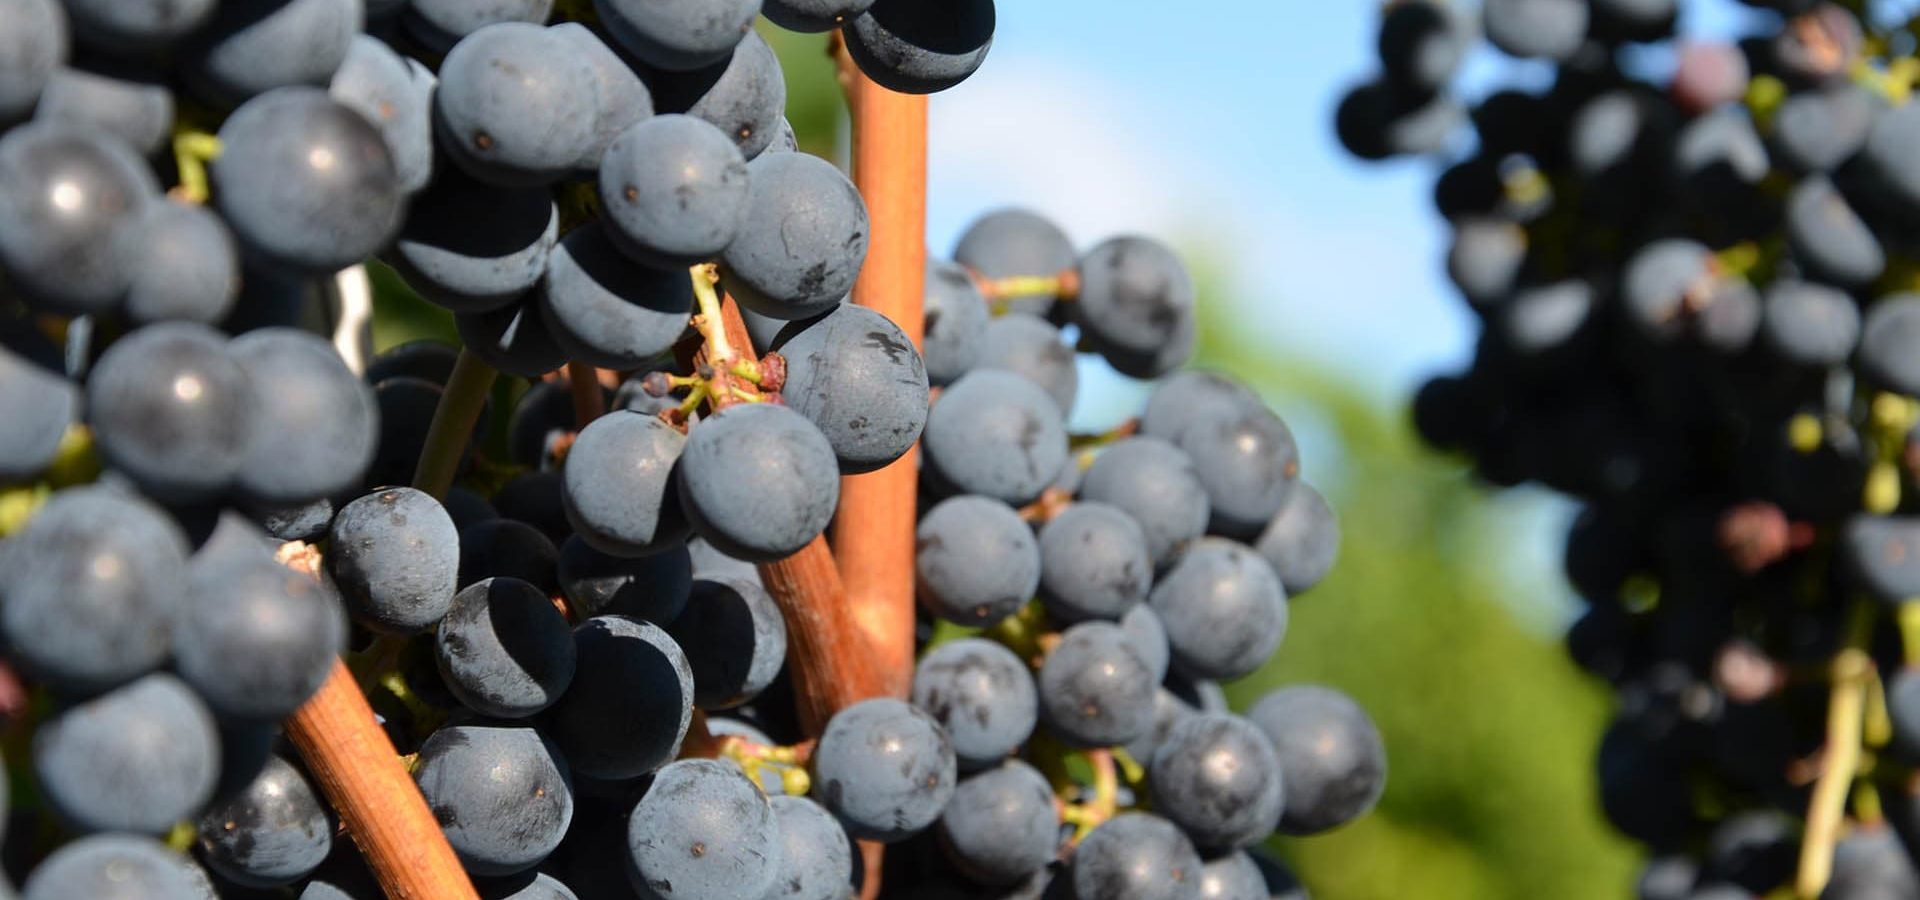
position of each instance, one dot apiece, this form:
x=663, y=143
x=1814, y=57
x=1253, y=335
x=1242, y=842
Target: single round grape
x=709, y=560
x=1809, y=324
x=1668, y=878
x=624, y=98
x=406, y=407
x=1094, y=563
x=1542, y=323
x=38, y=405
x=816, y=857
x=1829, y=238
x=703, y=829
x=758, y=481
x=276, y=831
x=502, y=794
x=1223, y=607
x=1194, y=397
x=1030, y=347
x=956, y=322
x=1095, y=688
x=395, y=557
x=1422, y=44
x=1133, y=292
x=744, y=96
x=1168, y=710
x=515, y=105
x=112, y=867
x=250, y=49
x=857, y=377
x=884, y=768
x=508, y=548
x=472, y=247
x=1302, y=541
x=119, y=101
x=172, y=408
x=1011, y=243
x=184, y=264
x=1153, y=482
x=1234, y=876
x=395, y=94
x=620, y=484
x=1248, y=463
x=440, y=24
x=1870, y=863
x=802, y=241
x=1149, y=636
x=1551, y=29
x=982, y=694
x=630, y=702
x=1136, y=856
x=678, y=35
x=514, y=339
x=254, y=638
x=606, y=309
x=654, y=588
x=1216, y=776
x=812, y=15
x=1183, y=339
x=1890, y=343
x=674, y=188
x=139, y=758
x=1485, y=259
x=503, y=649
x=93, y=584
x=1332, y=762
x=996, y=434
x=919, y=48
x=305, y=181
x=69, y=198
x=734, y=638
x=301, y=389
x=1001, y=825
x=33, y=44
x=975, y=560
x=1883, y=555
x=1817, y=130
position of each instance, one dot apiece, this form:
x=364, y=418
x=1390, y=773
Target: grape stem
x=1851, y=670
x=192, y=150
x=720, y=353
x=1053, y=501
x=1085, y=817
x=589, y=402
x=1126, y=429
x=1061, y=285
x=453, y=422
x=1908, y=618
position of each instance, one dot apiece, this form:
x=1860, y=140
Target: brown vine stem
x=589, y=402
x=1851, y=670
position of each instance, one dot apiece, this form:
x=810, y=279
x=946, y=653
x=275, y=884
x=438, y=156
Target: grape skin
x=139, y=758
x=71, y=196
x=703, y=830
x=857, y=377
x=975, y=560
x=503, y=795
x=112, y=867
x=276, y=831
x=982, y=695
x=884, y=768
x=758, y=481
x=995, y=434
x=503, y=649
x=396, y=560
x=630, y=702
x=802, y=241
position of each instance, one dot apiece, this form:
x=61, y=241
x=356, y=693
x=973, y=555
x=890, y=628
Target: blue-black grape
x=1882, y=553
x=503, y=649
x=424, y=359
x=1030, y=347
x=679, y=34
x=744, y=96
x=982, y=694
x=624, y=98
x=1808, y=324
x=514, y=339
x=515, y=105
x=1134, y=293
x=884, y=768
x=1828, y=237
x=734, y=638
x=1217, y=777
x=975, y=560
x=812, y=15
x=620, y=484
x=921, y=48
x=1136, y=856
x=1194, y=397
x=396, y=95
x=1302, y=541
x=856, y=377
x=654, y=588
x=1674, y=291
x=703, y=829
x=33, y=43
x=406, y=405
x=113, y=867
x=172, y=409
x=1013, y=242
x=956, y=322
x=502, y=794
x=1817, y=130
x=1890, y=343
x=473, y=247
x=275, y=831
x=1486, y=258
x=1154, y=482
x=184, y=265
x=1421, y=44
x=1094, y=563
x=1001, y=825
x=250, y=49
x=1246, y=460
x=1536, y=28
x=1149, y=636
x=127, y=104
x=608, y=310
x=544, y=413
x=38, y=405
x=253, y=637
x=1223, y=608
x=1095, y=687
x=1235, y=876
x=395, y=556
x=301, y=389
x=675, y=190
x=1333, y=765
x=630, y=702
x=802, y=241
x=758, y=481
x=69, y=199
x=508, y=548
x=996, y=434
x=816, y=857
x=139, y=758
x=440, y=24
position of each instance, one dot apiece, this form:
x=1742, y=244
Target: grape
x=1375, y=121
x=675, y=190
x=1234, y=876
x=515, y=106
x=472, y=247
x=605, y=309
x=508, y=548
x=302, y=388
x=529, y=886
x=1028, y=346
x=406, y=407
x=1421, y=45
x=93, y=584
x=956, y=322
x=1535, y=28
x=1223, y=608
x=427, y=360
x=1095, y=687
x=813, y=15
x=502, y=794
x=1816, y=60
x=1331, y=760
x=1153, y=482
x=274, y=832
x=124, y=104
x=734, y=638
x=1094, y=563
x=921, y=48
x=138, y=758
x=1751, y=850
x=758, y=481
x=1302, y=540
x=440, y=24
x=39, y=406
x=1808, y=324
x=1672, y=291
x=503, y=649
x=1013, y=242
x=543, y=415
x=857, y=378
x=1870, y=863
x=184, y=265
x=1134, y=292
x=708, y=561
x=1816, y=131
x=112, y=867
x=395, y=94
x=395, y=557
x=884, y=768
x=620, y=485
x=1667, y=878
x=802, y=241
x=1543, y=324
x=254, y=638
x=1194, y=397
x=1248, y=463
x=630, y=702
x=743, y=97
x=33, y=44
x=1216, y=776
x=1709, y=75
x=514, y=339
x=1001, y=827
x=975, y=560
x=170, y=408
x=1149, y=636
x=655, y=588
x=624, y=98
x=703, y=830
x=1829, y=238
x=69, y=197
x=1136, y=856
x=249, y=49
x=981, y=694
x=305, y=181
x=996, y=434
x=816, y=858
x=679, y=34
x=1486, y=259
x=1887, y=343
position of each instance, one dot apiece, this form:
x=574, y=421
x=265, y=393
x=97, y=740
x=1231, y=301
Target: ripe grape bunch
x=1694, y=265
x=574, y=564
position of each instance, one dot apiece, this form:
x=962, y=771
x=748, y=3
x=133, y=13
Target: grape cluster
x=1695, y=280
